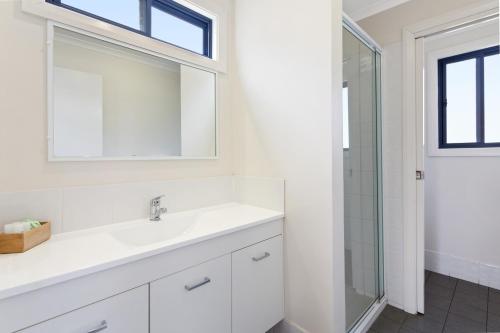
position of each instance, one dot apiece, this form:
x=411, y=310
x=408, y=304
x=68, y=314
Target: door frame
x=412, y=128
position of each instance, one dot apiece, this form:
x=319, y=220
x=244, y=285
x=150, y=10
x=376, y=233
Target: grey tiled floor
x=451, y=306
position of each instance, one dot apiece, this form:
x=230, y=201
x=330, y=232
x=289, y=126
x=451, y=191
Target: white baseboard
x=461, y=268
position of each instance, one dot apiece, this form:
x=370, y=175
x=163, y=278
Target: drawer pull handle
x=99, y=328
x=197, y=285
x=264, y=256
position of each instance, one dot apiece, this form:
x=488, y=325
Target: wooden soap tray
x=17, y=243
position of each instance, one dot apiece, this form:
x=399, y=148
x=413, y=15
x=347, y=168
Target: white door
x=258, y=286
x=123, y=313
x=193, y=301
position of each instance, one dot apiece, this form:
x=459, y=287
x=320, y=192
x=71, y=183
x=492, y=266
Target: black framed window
x=469, y=99
x=165, y=20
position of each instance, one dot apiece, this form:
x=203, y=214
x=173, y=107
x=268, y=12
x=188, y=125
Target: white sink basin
x=75, y=254
x=147, y=232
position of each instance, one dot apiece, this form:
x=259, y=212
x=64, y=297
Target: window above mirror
x=164, y=20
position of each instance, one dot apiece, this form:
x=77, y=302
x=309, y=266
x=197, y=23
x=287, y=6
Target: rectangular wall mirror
x=112, y=102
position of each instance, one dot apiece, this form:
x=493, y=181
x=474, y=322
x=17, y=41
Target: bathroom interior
x=218, y=166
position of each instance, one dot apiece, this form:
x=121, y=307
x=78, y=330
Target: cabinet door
x=257, y=286
x=193, y=301
x=123, y=313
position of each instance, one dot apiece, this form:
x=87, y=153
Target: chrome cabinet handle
x=99, y=328
x=197, y=285
x=264, y=256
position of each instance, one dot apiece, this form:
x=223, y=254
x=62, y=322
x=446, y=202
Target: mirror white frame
x=50, y=100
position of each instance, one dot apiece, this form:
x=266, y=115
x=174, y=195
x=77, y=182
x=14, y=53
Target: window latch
x=420, y=175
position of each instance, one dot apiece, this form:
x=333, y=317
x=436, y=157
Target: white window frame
x=208, y=8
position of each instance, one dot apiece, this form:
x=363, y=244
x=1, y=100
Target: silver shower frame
x=367, y=319
x=357, y=31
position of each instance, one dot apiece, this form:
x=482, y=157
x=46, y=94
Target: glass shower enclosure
x=362, y=174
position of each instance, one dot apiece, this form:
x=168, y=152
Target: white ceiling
x=360, y=9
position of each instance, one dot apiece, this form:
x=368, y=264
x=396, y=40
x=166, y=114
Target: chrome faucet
x=155, y=209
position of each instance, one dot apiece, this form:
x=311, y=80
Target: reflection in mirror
x=110, y=101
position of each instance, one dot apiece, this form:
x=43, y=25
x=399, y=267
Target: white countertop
x=74, y=254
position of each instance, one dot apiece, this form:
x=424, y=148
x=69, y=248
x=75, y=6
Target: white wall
x=288, y=61
x=386, y=29
x=462, y=214
x=82, y=207
x=23, y=120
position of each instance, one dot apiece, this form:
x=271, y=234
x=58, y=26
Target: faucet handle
x=156, y=201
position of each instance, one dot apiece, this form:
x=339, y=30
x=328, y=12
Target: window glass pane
x=173, y=30
x=461, y=96
x=126, y=12
x=492, y=98
x=345, y=111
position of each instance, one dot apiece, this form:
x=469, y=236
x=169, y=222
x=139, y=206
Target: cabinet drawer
x=257, y=288
x=123, y=313
x=193, y=301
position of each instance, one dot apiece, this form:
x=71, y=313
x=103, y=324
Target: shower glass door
x=362, y=177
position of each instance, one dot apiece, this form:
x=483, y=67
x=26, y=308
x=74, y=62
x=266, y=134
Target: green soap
x=33, y=223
